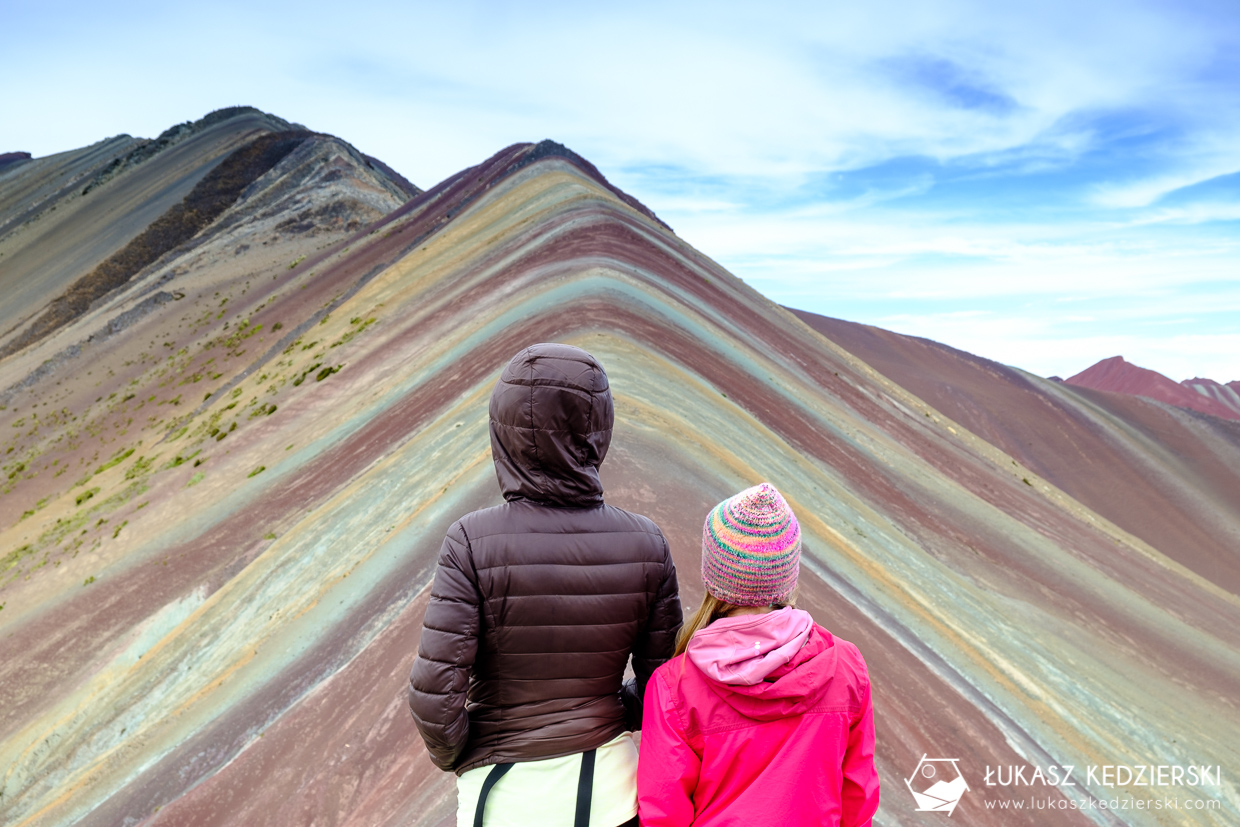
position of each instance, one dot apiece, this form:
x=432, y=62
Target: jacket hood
x=766, y=666
x=551, y=421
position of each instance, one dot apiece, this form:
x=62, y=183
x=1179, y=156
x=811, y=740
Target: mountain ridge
x=221, y=523
x=1116, y=375
x=1061, y=434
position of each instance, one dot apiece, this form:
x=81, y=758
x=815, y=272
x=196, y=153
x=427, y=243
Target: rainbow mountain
x=244, y=382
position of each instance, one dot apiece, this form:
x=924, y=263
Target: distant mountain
x=1227, y=395
x=1118, y=376
x=1095, y=447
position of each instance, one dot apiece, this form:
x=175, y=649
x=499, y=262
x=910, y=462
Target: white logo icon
x=937, y=785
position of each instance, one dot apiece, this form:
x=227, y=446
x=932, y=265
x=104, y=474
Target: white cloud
x=917, y=254
x=1045, y=350
x=746, y=106
x=728, y=90
x=1192, y=165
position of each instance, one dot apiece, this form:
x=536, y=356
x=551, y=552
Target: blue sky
x=1045, y=184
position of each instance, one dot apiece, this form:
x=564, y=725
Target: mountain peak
x=7, y=158
x=1117, y=375
x=548, y=148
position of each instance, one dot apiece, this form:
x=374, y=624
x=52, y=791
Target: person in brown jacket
x=536, y=607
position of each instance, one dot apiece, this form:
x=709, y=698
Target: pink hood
x=766, y=666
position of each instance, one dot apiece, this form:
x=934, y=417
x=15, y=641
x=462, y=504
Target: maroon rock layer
x=1226, y=395
x=1118, y=376
x=1183, y=499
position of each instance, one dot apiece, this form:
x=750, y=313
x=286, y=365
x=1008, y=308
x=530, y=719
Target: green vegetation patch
x=141, y=466
x=120, y=457
x=179, y=460
x=15, y=556
x=263, y=410
x=244, y=331
x=358, y=325
x=302, y=376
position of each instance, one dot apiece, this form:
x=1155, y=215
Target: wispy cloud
x=881, y=154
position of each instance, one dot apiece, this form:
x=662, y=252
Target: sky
x=1044, y=184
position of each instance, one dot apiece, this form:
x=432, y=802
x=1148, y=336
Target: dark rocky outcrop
x=9, y=158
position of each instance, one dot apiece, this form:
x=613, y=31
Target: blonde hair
x=711, y=609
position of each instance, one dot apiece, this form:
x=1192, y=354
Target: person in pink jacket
x=763, y=717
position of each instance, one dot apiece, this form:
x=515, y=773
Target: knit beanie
x=751, y=548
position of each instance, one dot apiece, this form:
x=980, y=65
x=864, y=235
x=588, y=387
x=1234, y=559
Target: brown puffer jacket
x=538, y=603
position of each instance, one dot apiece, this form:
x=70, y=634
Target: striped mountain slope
x=221, y=509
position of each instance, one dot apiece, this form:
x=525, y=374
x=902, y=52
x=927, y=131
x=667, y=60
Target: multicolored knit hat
x=751, y=548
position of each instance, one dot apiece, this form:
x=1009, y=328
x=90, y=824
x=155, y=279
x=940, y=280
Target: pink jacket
x=766, y=719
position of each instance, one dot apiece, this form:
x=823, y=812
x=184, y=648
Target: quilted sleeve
x=446, y=652
x=657, y=641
